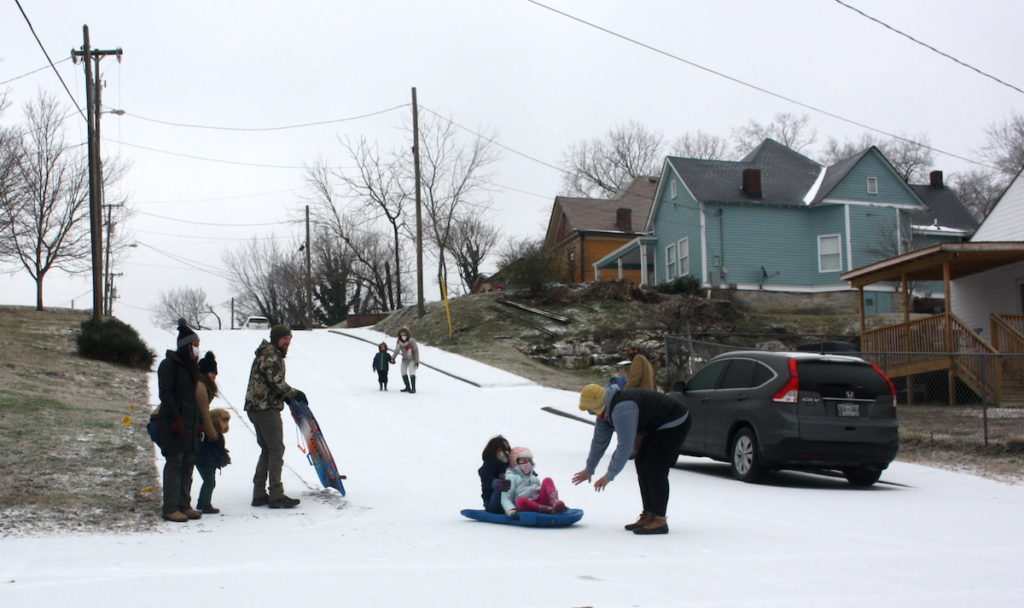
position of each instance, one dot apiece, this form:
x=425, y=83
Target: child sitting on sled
x=526, y=491
x=492, y=473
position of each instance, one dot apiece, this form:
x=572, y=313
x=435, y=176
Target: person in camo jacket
x=264, y=400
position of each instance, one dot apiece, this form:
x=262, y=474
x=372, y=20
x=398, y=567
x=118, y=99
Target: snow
x=921, y=537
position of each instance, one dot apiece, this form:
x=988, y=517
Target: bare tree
x=909, y=155
x=270, y=280
x=790, y=130
x=978, y=189
x=604, y=166
x=1004, y=146
x=184, y=303
x=472, y=241
x=454, y=182
x=701, y=145
x=45, y=208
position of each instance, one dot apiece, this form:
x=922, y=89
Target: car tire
x=744, y=457
x=862, y=477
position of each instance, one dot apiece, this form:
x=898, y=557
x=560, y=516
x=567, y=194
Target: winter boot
x=406, y=380
x=380, y=386
x=412, y=379
x=385, y=387
x=284, y=503
x=559, y=507
x=208, y=509
x=643, y=520
x=176, y=516
x=657, y=525
x=191, y=513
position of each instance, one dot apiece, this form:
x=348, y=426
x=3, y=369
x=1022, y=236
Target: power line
x=751, y=86
x=926, y=45
x=217, y=198
x=174, y=219
x=213, y=160
x=34, y=71
x=280, y=128
x=220, y=273
x=52, y=65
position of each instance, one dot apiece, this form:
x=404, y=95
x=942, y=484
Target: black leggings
x=658, y=452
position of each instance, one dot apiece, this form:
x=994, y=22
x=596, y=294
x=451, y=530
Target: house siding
x=677, y=218
x=891, y=189
x=1006, y=220
x=824, y=220
x=745, y=238
x=977, y=296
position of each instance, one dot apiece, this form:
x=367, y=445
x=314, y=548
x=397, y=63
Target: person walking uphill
x=662, y=420
x=381, y=364
x=178, y=423
x=410, y=353
x=264, y=400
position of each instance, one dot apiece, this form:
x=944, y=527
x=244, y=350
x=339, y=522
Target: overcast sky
x=539, y=80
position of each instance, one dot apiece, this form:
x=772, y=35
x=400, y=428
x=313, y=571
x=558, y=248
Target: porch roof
x=927, y=264
x=628, y=253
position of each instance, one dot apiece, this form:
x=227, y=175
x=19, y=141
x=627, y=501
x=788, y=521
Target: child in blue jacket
x=381, y=362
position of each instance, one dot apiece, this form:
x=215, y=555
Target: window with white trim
x=670, y=263
x=830, y=257
x=672, y=189
x=684, y=257
x=872, y=185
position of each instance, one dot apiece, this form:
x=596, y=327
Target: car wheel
x=862, y=476
x=746, y=462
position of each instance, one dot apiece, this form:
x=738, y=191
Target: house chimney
x=752, y=182
x=624, y=219
x=935, y=178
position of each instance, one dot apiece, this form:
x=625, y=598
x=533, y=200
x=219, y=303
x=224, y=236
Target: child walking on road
x=526, y=491
x=381, y=362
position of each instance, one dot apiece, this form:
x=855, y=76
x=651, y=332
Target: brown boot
x=191, y=513
x=657, y=525
x=643, y=520
x=176, y=516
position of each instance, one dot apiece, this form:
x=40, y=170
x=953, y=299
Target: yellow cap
x=592, y=398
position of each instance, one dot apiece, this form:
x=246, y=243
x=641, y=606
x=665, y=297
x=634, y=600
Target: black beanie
x=185, y=334
x=208, y=364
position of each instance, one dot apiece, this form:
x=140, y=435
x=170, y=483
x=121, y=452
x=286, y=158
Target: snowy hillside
x=922, y=537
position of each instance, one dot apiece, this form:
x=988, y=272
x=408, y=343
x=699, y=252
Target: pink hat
x=519, y=452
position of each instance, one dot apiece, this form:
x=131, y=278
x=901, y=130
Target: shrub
x=685, y=285
x=115, y=342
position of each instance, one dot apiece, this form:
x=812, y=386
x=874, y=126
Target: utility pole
x=309, y=278
x=419, y=207
x=108, y=283
x=92, y=102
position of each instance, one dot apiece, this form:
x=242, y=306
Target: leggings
x=658, y=452
x=547, y=497
x=409, y=367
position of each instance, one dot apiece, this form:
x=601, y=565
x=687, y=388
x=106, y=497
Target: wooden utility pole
x=309, y=278
x=92, y=102
x=419, y=208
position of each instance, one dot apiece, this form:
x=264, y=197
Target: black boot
x=380, y=386
x=406, y=380
x=412, y=379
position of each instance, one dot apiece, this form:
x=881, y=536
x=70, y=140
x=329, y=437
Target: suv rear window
x=832, y=379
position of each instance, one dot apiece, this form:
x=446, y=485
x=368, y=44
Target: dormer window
x=872, y=185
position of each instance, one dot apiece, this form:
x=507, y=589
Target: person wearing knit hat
x=212, y=440
x=661, y=420
x=178, y=423
x=526, y=491
x=264, y=402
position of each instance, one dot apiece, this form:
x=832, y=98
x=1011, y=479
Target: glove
x=301, y=396
x=501, y=485
x=177, y=427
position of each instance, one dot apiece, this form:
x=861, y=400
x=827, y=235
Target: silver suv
x=773, y=410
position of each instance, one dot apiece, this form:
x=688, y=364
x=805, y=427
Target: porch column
x=644, y=279
x=904, y=285
x=947, y=274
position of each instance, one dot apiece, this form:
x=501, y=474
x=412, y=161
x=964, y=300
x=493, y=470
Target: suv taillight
x=790, y=391
x=892, y=387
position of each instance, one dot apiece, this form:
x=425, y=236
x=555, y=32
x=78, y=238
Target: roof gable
x=1005, y=220
x=842, y=181
x=597, y=214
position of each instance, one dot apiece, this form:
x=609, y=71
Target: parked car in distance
x=256, y=323
x=761, y=411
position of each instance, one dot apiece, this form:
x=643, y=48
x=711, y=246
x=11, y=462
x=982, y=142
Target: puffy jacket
x=267, y=387
x=520, y=485
x=641, y=373
x=177, y=402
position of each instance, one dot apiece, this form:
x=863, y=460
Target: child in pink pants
x=526, y=490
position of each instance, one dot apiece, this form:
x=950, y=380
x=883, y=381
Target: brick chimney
x=935, y=179
x=752, y=182
x=624, y=219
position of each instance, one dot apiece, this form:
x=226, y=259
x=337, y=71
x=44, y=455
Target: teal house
x=776, y=220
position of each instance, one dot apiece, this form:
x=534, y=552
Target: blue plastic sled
x=317, y=452
x=531, y=520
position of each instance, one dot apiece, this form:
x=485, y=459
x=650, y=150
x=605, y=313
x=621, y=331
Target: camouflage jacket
x=267, y=387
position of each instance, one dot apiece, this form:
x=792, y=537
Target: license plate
x=848, y=409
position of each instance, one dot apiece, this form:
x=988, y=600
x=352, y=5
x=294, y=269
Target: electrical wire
x=35, y=71
x=218, y=198
x=174, y=219
x=220, y=273
x=281, y=128
x=750, y=85
x=927, y=46
x=214, y=160
x=52, y=65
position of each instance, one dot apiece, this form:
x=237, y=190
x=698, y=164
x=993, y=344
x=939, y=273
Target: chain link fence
x=944, y=400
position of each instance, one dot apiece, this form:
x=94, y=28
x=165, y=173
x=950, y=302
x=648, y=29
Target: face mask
x=526, y=468
x=195, y=352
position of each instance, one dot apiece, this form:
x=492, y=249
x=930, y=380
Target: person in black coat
x=179, y=423
x=492, y=473
x=381, y=364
